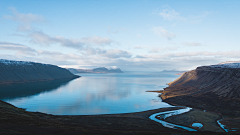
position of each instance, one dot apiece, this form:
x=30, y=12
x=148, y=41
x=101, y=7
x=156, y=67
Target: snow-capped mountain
x=107, y=69
x=229, y=64
x=112, y=67
x=23, y=71
x=12, y=62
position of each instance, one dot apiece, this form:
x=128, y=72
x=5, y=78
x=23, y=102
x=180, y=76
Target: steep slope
x=216, y=86
x=20, y=72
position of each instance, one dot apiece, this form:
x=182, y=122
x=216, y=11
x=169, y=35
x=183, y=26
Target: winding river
x=163, y=115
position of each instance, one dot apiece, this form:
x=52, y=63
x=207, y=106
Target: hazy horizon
x=133, y=35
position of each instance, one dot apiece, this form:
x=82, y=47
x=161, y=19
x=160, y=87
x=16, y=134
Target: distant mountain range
x=22, y=71
x=108, y=69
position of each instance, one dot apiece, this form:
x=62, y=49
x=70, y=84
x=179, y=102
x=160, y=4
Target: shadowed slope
x=20, y=72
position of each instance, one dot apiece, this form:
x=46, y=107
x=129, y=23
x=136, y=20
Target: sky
x=135, y=35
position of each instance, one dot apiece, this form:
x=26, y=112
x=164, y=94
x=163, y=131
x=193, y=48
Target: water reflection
x=13, y=91
x=95, y=94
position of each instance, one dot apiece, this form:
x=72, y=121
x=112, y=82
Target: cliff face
x=20, y=72
x=206, y=80
x=215, y=88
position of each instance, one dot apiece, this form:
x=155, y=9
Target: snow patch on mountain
x=107, y=69
x=228, y=64
x=111, y=67
x=12, y=62
x=24, y=71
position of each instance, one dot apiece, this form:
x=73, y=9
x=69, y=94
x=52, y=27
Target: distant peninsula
x=22, y=71
x=108, y=69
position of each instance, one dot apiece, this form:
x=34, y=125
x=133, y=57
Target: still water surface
x=91, y=94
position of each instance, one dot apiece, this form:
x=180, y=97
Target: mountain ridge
x=23, y=71
x=107, y=69
x=214, y=87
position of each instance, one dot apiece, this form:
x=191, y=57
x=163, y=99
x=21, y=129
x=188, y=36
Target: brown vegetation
x=208, y=88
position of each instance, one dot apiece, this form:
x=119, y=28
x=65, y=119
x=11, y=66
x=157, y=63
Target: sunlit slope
x=219, y=81
x=215, y=88
x=20, y=71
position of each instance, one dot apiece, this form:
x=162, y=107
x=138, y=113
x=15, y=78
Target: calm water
x=91, y=94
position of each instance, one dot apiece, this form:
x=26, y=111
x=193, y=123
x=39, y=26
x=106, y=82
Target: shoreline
x=214, y=116
x=230, y=121
x=15, y=120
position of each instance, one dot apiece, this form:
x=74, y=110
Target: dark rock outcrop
x=21, y=72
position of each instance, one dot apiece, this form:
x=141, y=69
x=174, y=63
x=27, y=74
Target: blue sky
x=133, y=35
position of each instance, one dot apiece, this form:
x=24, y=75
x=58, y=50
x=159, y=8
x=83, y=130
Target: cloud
x=180, y=61
x=96, y=40
x=58, y=55
x=203, y=54
x=139, y=56
x=168, y=13
x=192, y=44
x=92, y=51
x=163, y=33
x=112, y=53
x=155, y=50
x=21, y=49
x=116, y=53
x=38, y=37
x=124, y=59
x=141, y=47
x=25, y=20
x=44, y=39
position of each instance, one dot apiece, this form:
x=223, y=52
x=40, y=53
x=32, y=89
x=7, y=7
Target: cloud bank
x=41, y=38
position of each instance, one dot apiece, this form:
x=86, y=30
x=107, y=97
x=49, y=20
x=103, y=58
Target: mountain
x=108, y=69
x=22, y=71
x=215, y=87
